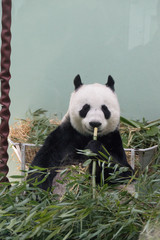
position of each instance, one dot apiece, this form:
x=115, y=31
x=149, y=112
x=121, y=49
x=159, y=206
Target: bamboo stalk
x=94, y=167
x=95, y=133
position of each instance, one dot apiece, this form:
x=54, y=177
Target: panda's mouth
x=91, y=130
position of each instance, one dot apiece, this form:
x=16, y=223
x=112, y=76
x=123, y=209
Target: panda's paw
x=94, y=146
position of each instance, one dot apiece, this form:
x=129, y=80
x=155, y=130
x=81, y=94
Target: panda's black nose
x=95, y=124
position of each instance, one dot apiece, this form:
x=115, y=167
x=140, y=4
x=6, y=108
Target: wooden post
x=5, y=77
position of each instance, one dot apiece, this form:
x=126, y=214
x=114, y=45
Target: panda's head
x=94, y=105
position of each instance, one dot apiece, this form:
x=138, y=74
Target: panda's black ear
x=77, y=82
x=110, y=83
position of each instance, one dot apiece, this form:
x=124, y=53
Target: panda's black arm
x=116, y=150
x=49, y=156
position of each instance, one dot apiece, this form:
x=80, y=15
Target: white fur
x=95, y=95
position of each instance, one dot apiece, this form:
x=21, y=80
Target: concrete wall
x=53, y=40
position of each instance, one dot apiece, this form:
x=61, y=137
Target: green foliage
x=40, y=125
x=31, y=213
x=34, y=128
x=136, y=134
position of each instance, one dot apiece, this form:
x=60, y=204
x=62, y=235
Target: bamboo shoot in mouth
x=95, y=133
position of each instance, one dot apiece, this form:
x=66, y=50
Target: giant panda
x=92, y=105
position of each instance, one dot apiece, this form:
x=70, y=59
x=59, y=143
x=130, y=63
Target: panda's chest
x=75, y=144
x=70, y=155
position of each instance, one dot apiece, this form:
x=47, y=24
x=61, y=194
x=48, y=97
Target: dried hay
x=30, y=152
x=19, y=131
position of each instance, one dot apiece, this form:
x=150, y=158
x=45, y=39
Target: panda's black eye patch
x=106, y=111
x=83, y=112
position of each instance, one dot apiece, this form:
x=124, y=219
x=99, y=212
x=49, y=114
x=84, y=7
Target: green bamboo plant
x=31, y=213
x=139, y=134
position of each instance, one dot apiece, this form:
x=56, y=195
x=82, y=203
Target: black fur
x=106, y=111
x=60, y=149
x=77, y=82
x=110, y=83
x=83, y=112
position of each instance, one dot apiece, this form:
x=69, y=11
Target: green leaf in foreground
x=31, y=213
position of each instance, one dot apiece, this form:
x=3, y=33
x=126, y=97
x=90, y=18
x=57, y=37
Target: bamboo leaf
x=16, y=176
x=30, y=217
x=13, y=222
x=87, y=162
x=54, y=233
x=152, y=131
x=130, y=122
x=68, y=234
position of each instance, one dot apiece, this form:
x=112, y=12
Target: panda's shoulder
x=63, y=128
x=64, y=131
